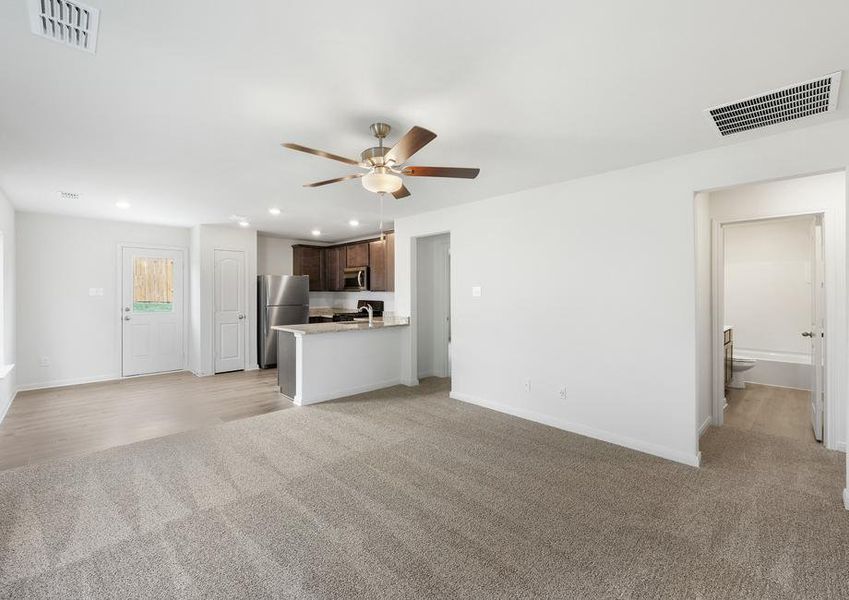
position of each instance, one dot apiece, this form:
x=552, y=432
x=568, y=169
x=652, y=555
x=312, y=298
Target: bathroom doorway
x=773, y=319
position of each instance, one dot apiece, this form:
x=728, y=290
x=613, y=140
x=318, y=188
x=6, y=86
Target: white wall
x=8, y=383
x=768, y=284
x=349, y=299
x=431, y=274
x=786, y=195
x=704, y=370
x=206, y=239
x=274, y=255
x=601, y=296
x=58, y=259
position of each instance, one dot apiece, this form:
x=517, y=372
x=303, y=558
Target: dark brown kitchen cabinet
x=309, y=260
x=382, y=264
x=334, y=259
x=356, y=255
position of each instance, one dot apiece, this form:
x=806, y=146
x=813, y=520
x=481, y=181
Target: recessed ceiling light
x=122, y=204
x=354, y=223
x=274, y=211
x=316, y=232
x=244, y=224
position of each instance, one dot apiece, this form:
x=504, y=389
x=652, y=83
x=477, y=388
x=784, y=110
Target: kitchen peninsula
x=322, y=361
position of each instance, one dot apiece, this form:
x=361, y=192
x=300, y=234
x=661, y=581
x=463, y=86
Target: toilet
x=738, y=367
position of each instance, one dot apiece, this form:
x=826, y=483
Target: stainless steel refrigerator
x=282, y=300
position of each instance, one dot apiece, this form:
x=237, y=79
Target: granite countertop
x=358, y=325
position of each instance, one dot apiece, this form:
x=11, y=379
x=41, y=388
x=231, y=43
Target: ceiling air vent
x=68, y=22
x=785, y=104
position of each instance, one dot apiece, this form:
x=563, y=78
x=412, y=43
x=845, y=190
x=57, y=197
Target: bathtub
x=782, y=369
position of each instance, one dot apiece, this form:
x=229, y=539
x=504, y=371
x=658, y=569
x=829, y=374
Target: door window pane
x=153, y=284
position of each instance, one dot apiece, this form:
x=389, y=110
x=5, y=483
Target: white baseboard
x=324, y=397
x=44, y=385
x=846, y=498
x=840, y=446
x=693, y=460
x=704, y=426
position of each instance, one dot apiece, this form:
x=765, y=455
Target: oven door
x=356, y=279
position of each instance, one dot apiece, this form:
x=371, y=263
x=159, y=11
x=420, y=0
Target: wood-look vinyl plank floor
x=783, y=412
x=75, y=420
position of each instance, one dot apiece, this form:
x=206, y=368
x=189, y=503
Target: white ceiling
x=182, y=109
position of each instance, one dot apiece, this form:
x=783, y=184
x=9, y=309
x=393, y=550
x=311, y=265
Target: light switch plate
x=92, y=291
x=476, y=291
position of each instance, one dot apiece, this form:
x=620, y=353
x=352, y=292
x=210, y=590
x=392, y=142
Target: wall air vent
x=65, y=21
x=69, y=196
x=785, y=104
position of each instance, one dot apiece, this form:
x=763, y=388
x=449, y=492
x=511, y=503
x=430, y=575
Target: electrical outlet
x=44, y=362
x=476, y=291
x=528, y=386
x=563, y=393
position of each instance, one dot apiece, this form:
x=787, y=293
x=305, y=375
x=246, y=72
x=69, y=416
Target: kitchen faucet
x=370, y=312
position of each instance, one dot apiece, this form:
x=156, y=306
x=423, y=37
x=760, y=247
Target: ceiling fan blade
x=300, y=148
x=441, y=172
x=403, y=192
x=326, y=181
x=413, y=141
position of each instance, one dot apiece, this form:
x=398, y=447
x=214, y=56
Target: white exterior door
x=151, y=311
x=230, y=311
x=817, y=330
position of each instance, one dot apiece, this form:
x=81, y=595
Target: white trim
x=835, y=312
x=56, y=383
x=120, y=300
x=841, y=447
x=342, y=393
x=703, y=427
x=846, y=498
x=5, y=370
x=693, y=460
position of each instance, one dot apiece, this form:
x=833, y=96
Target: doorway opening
x=433, y=307
x=772, y=322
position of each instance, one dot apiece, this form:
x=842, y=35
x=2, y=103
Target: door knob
x=808, y=334
x=126, y=309
x=126, y=317
x=241, y=316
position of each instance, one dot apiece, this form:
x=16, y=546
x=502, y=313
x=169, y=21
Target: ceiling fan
x=386, y=165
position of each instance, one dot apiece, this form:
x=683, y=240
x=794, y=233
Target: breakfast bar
x=322, y=361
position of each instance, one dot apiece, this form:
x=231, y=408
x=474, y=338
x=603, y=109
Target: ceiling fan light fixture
x=381, y=180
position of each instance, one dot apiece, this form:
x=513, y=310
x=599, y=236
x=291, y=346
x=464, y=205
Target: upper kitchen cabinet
x=309, y=260
x=357, y=255
x=382, y=264
x=334, y=260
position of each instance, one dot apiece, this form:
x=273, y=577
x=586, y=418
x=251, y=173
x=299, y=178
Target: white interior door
x=152, y=310
x=817, y=329
x=230, y=311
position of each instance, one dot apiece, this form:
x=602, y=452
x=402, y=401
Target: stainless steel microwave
x=356, y=279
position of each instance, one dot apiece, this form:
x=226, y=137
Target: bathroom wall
x=768, y=285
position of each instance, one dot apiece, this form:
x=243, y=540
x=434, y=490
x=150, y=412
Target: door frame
x=833, y=353
x=247, y=298
x=412, y=377
x=119, y=284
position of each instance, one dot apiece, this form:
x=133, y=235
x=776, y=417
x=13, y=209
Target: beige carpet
x=407, y=494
